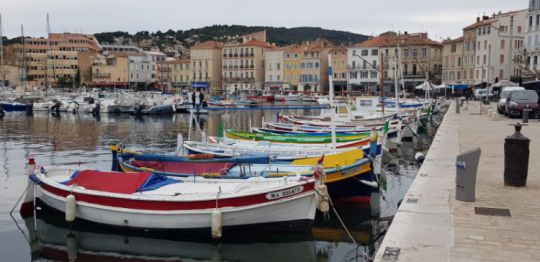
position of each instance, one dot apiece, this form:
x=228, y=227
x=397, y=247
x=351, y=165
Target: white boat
x=288, y=97
x=144, y=200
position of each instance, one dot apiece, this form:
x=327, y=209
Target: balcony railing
x=101, y=75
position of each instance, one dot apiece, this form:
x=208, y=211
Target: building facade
x=54, y=59
x=111, y=69
x=452, y=55
x=142, y=71
x=364, y=67
x=243, y=66
x=274, y=60
x=180, y=73
x=532, y=40
x=291, y=69
x=206, y=66
x=314, y=67
x=469, y=55
x=340, y=74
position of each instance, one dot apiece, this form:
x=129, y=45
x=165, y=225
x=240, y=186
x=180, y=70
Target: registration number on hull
x=284, y=193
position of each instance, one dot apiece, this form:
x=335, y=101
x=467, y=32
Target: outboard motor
x=56, y=107
x=29, y=109
x=97, y=109
x=419, y=157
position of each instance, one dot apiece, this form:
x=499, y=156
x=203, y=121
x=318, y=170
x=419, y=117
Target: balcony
x=252, y=66
x=235, y=55
x=230, y=55
x=251, y=55
x=224, y=55
x=101, y=75
x=241, y=55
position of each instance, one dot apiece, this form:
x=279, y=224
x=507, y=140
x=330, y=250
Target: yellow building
x=180, y=72
x=111, y=69
x=206, y=66
x=291, y=67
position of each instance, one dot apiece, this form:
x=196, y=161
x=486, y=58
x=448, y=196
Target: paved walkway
x=432, y=226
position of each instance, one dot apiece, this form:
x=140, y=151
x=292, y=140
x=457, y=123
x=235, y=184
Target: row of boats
x=274, y=176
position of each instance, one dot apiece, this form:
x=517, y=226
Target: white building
x=363, y=60
x=274, y=69
x=532, y=34
x=141, y=69
x=499, y=42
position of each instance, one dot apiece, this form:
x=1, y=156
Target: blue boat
x=13, y=106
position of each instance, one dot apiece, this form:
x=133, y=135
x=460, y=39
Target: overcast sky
x=440, y=19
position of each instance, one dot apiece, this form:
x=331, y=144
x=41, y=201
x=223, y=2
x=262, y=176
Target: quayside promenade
x=432, y=226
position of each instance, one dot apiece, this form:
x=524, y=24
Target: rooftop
x=208, y=45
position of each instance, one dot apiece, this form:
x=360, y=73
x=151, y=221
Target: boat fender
x=216, y=224
x=71, y=244
x=419, y=157
x=322, y=199
x=71, y=205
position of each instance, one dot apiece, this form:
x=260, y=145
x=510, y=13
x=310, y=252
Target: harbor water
x=81, y=139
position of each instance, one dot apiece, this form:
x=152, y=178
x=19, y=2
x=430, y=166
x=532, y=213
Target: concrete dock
x=431, y=225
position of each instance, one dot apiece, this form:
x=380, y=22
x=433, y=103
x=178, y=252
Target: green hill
x=279, y=35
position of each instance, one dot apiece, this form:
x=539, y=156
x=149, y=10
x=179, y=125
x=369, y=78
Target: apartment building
x=453, y=61
x=340, y=58
x=274, y=60
x=314, y=67
x=206, y=66
x=291, y=69
x=111, y=69
x=180, y=72
x=56, y=57
x=243, y=66
x=364, y=66
x=532, y=40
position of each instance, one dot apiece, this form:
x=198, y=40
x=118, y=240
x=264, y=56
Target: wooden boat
x=311, y=129
x=241, y=135
x=148, y=201
x=348, y=174
x=271, y=131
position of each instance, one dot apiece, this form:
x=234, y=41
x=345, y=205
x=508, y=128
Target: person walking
x=197, y=99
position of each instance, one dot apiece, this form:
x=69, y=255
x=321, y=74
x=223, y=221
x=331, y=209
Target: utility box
x=516, y=158
x=466, y=169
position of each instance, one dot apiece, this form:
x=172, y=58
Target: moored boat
x=146, y=200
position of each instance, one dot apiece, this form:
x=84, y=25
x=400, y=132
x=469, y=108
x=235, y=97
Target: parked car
x=482, y=94
x=501, y=104
x=521, y=99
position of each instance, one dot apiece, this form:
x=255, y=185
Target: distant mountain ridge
x=281, y=36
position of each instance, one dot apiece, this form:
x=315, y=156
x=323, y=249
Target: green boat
x=305, y=139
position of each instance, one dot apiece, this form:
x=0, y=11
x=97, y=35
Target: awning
x=200, y=85
x=459, y=87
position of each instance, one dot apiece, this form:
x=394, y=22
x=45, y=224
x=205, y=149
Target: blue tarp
x=459, y=87
x=157, y=181
x=200, y=85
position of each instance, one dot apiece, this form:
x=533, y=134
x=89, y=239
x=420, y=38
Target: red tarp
x=114, y=182
x=189, y=168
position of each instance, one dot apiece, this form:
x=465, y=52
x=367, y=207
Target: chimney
x=477, y=19
x=485, y=17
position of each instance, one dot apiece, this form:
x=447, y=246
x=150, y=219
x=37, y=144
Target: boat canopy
x=115, y=182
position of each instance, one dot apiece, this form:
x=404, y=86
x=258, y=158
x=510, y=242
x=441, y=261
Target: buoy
x=419, y=157
x=71, y=205
x=216, y=224
x=322, y=199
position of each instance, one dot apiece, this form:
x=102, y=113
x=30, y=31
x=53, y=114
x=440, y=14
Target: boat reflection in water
x=58, y=240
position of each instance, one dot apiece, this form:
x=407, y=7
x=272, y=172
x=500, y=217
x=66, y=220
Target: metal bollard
x=466, y=169
x=525, y=115
x=457, y=106
x=516, y=158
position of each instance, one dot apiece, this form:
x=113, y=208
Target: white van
x=504, y=95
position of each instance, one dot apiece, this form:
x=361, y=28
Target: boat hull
x=99, y=209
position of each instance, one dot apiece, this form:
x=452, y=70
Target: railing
x=101, y=75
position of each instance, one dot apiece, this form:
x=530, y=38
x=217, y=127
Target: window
x=485, y=59
x=406, y=52
x=364, y=52
x=424, y=52
x=485, y=45
x=414, y=52
x=502, y=59
x=502, y=44
x=374, y=52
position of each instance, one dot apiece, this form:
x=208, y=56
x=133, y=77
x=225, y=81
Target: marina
x=49, y=139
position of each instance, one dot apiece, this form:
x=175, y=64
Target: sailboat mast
x=2, y=53
x=331, y=97
x=398, y=65
x=23, y=62
x=50, y=53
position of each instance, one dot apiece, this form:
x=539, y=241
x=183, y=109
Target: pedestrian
x=197, y=99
